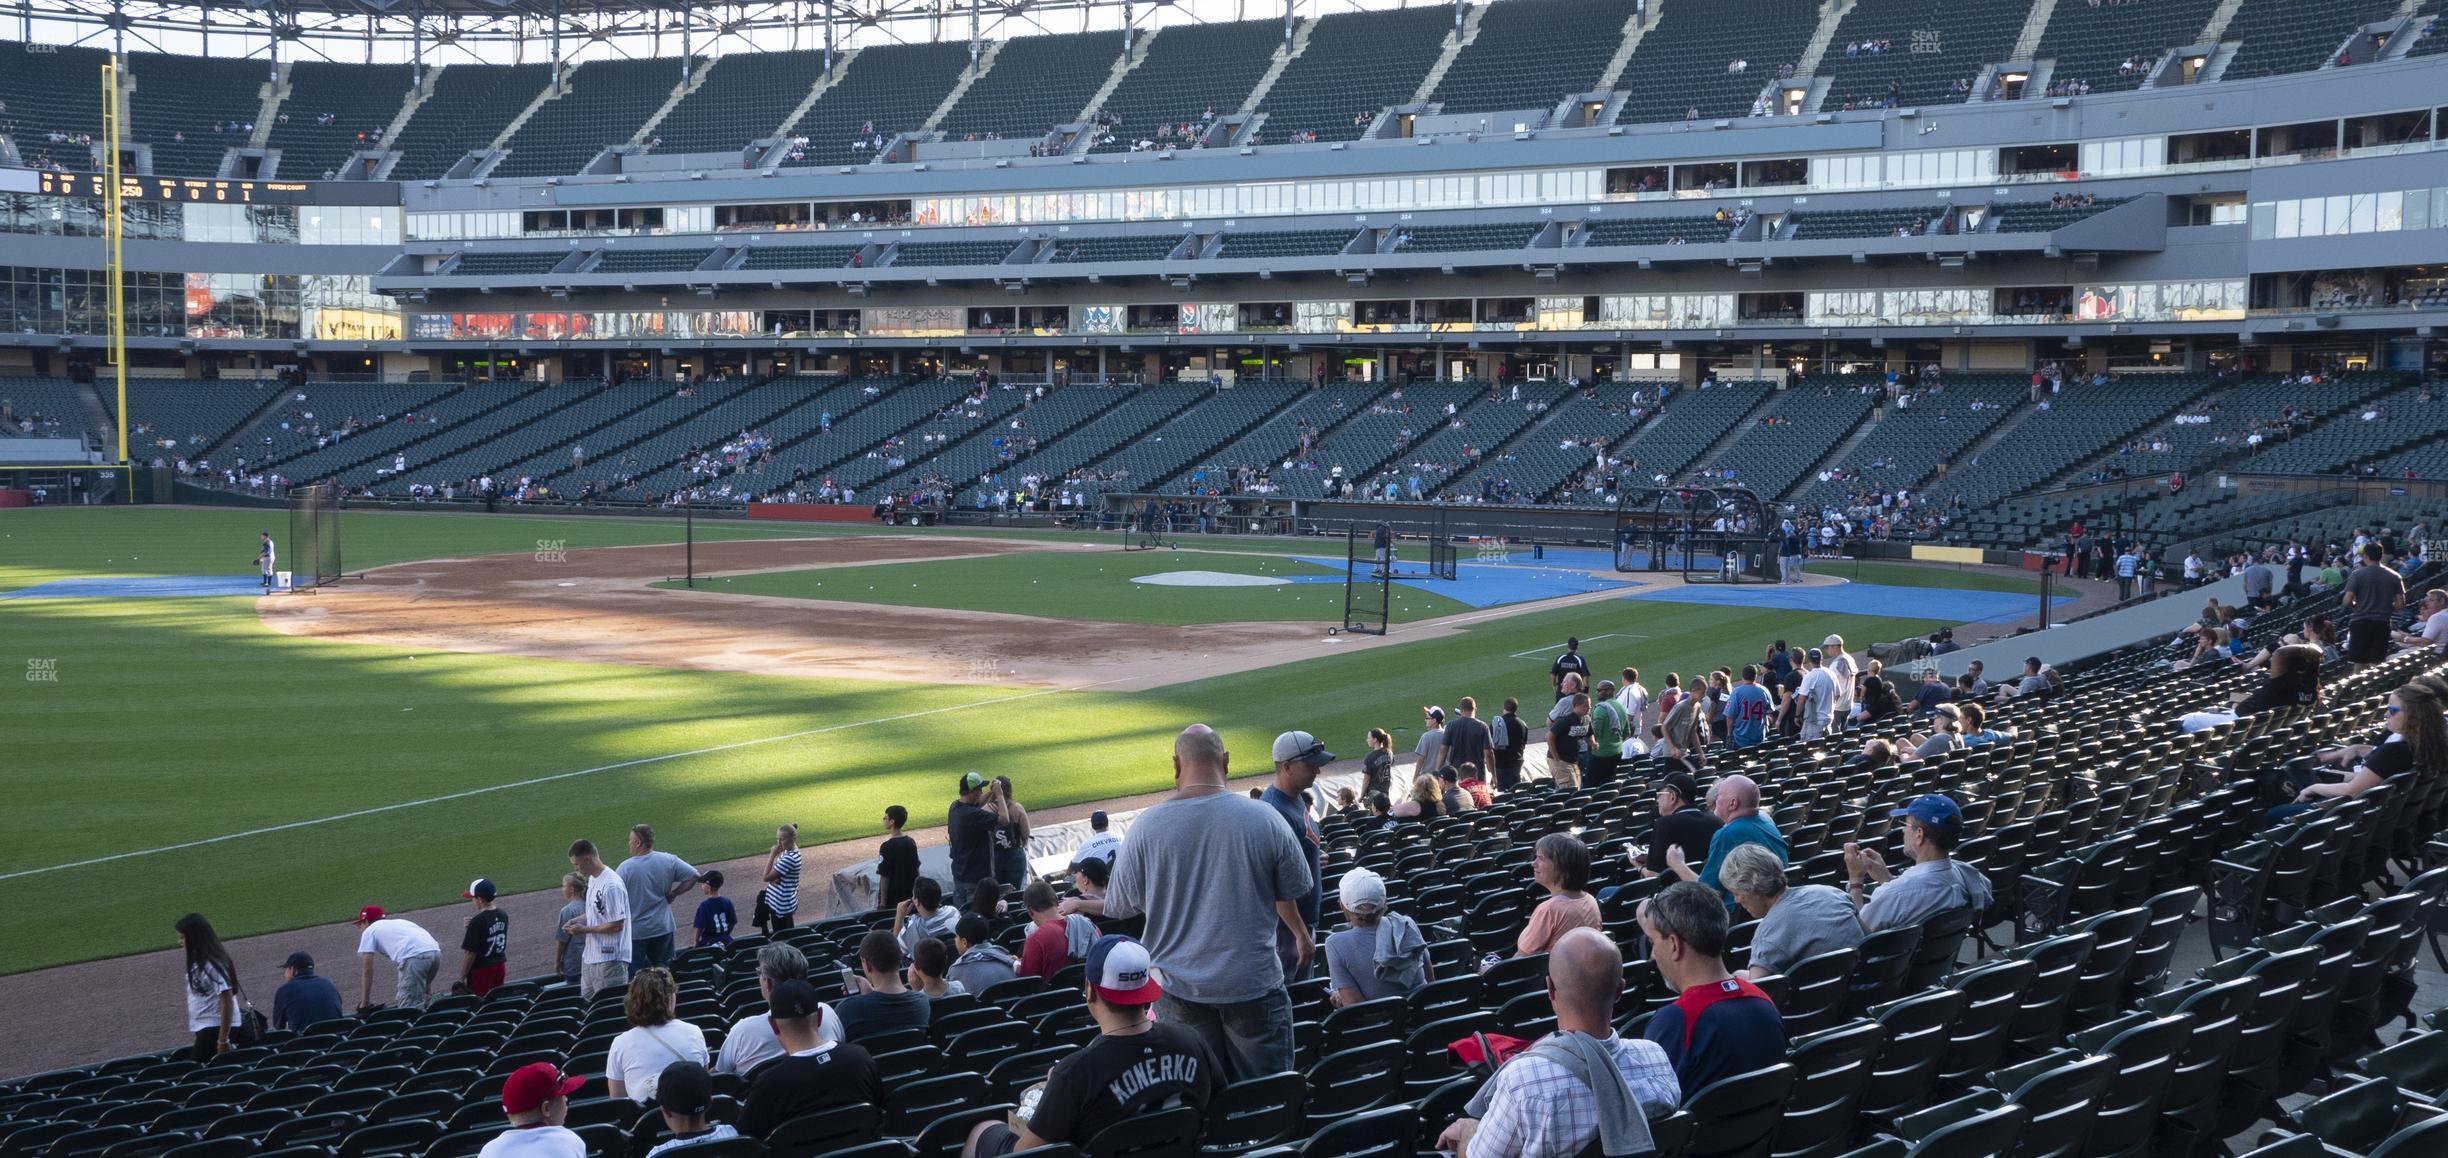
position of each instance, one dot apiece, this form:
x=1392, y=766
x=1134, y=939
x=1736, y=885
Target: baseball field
x=495, y=686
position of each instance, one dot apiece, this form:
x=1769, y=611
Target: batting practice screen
x=314, y=535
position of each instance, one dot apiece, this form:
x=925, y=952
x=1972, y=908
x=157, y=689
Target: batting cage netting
x=314, y=536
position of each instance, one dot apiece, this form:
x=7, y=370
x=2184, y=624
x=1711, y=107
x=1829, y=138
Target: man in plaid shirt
x=1537, y=1108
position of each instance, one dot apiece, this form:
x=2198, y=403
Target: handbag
x=252, y=1025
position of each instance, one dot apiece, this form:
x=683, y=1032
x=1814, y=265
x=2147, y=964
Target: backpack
x=1496, y=734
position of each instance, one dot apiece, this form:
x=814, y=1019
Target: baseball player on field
x=267, y=556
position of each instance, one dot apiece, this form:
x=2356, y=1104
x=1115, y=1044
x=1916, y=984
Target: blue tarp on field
x=141, y=587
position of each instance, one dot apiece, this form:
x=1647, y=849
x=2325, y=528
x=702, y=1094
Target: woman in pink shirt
x=1561, y=865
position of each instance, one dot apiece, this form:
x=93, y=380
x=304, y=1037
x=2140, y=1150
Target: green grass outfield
x=183, y=720
x=1074, y=585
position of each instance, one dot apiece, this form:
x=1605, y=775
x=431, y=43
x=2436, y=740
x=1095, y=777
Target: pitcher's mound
x=1207, y=579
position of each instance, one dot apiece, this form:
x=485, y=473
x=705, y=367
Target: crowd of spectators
x=1226, y=892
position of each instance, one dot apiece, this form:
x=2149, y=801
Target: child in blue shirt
x=715, y=914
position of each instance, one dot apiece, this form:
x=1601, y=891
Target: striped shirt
x=782, y=896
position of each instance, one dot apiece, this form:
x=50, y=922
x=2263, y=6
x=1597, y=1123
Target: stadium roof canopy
x=500, y=31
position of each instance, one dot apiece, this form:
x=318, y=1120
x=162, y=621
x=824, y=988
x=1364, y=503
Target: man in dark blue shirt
x=1722, y=1025
x=1932, y=693
x=303, y=998
x=1298, y=756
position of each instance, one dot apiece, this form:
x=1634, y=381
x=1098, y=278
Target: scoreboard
x=202, y=190
x=218, y=191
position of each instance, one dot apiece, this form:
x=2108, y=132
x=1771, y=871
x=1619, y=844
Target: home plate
x=1208, y=579
x=565, y=583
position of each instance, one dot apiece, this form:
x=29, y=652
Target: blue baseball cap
x=1932, y=809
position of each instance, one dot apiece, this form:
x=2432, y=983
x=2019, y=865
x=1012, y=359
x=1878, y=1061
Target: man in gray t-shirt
x=1215, y=872
x=653, y=879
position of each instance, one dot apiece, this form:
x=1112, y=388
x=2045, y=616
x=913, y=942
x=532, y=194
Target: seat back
x=1382, y=1133
x=1878, y=975
x=1832, y=1072
x=1170, y=1133
x=1933, y=956
x=825, y=1131
x=1738, y=1115
x=1983, y=1135
x=1815, y=991
x=1355, y=1079
x=2061, y=1102
x=1255, y=1112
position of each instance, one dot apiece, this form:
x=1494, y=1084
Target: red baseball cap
x=533, y=1084
x=369, y=914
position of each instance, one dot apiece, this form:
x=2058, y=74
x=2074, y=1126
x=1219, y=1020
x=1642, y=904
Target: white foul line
x=295, y=824
x=1540, y=651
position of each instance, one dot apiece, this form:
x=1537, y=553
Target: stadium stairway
x=538, y=451
x=1142, y=411
x=1534, y=462
x=2402, y=418
x=1775, y=449
x=1530, y=54
x=197, y=416
x=1268, y=445
x=2081, y=421
x=784, y=409
x=1374, y=435
x=1206, y=424
x=445, y=455
x=604, y=462
x=1040, y=425
x=454, y=403
x=1934, y=429
x=1696, y=423
x=906, y=404
x=1351, y=63
x=2196, y=447
x=1481, y=428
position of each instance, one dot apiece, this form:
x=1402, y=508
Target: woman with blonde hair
x=1945, y=735
x=656, y=1038
x=1426, y=802
x=778, y=905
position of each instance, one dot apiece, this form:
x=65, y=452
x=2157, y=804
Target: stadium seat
x=825, y=1132
x=1738, y=1114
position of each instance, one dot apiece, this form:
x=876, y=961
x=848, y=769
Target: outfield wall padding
x=811, y=512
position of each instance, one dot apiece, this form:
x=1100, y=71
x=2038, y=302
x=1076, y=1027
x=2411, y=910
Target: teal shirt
x=1752, y=829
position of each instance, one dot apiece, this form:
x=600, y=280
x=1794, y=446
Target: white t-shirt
x=396, y=939
x=2435, y=631
x=535, y=1142
x=751, y=1042
x=1103, y=846
x=1634, y=699
x=204, y=1009
x=637, y=1058
x=607, y=900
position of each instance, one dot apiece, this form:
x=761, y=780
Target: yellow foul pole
x=114, y=230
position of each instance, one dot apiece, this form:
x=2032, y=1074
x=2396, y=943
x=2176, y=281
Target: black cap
x=1682, y=784
x=302, y=961
x=685, y=1088
x=794, y=998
